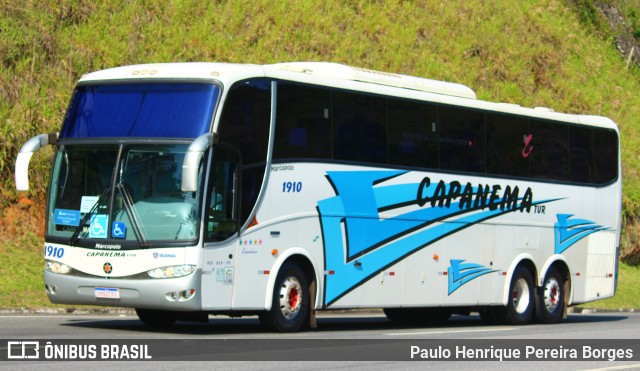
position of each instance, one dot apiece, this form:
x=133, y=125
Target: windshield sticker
x=66, y=217
x=118, y=230
x=87, y=202
x=98, y=226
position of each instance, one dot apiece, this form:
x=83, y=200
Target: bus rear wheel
x=290, y=305
x=520, y=306
x=154, y=317
x=551, y=300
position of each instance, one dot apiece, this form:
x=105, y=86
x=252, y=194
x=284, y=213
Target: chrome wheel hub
x=290, y=297
x=551, y=294
x=521, y=296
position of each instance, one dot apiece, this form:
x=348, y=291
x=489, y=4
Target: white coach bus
x=183, y=190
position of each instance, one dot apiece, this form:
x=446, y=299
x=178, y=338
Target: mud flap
x=566, y=299
x=313, y=324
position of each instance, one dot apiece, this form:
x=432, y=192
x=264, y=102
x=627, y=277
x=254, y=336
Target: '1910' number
x=57, y=252
x=292, y=187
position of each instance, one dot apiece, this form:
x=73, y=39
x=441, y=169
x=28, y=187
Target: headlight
x=56, y=267
x=173, y=271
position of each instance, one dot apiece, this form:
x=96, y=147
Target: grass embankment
x=551, y=53
x=628, y=293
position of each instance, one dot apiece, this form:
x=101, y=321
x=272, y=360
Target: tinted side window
x=322, y=123
x=244, y=123
x=508, y=145
x=245, y=119
x=222, y=201
x=549, y=158
x=413, y=134
x=462, y=142
x=303, y=129
x=606, y=155
x=581, y=142
x=360, y=128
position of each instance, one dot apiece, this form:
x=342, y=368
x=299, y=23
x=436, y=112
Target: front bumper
x=163, y=294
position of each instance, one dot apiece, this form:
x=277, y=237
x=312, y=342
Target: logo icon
x=25, y=350
x=107, y=268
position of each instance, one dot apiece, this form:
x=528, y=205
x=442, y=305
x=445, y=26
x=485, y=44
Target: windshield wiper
x=133, y=215
x=76, y=233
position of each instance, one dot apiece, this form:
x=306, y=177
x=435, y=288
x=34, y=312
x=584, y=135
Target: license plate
x=107, y=292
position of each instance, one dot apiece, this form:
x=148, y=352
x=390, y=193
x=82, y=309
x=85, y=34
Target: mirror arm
x=191, y=161
x=24, y=157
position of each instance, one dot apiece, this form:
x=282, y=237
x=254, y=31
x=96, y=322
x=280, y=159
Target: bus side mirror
x=191, y=161
x=24, y=156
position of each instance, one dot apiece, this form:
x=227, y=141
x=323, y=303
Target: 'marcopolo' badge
x=107, y=267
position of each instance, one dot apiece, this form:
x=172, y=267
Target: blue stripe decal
x=358, y=243
x=568, y=232
x=459, y=273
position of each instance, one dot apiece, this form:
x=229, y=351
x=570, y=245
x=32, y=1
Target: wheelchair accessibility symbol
x=98, y=226
x=118, y=230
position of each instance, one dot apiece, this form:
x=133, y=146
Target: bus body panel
x=218, y=276
x=428, y=275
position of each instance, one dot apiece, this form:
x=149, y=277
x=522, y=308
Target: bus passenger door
x=221, y=226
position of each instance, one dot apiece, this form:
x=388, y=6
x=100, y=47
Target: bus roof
x=317, y=69
x=341, y=71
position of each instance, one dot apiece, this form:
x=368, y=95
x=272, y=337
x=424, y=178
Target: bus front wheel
x=290, y=305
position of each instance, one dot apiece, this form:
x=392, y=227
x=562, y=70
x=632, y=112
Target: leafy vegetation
x=552, y=53
x=631, y=10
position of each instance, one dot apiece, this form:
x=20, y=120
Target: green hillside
x=553, y=53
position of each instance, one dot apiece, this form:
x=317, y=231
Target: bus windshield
x=138, y=199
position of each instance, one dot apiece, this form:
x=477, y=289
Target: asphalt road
x=342, y=341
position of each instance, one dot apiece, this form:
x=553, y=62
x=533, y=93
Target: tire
x=417, y=315
x=290, y=305
x=153, y=317
x=551, y=298
x=521, y=304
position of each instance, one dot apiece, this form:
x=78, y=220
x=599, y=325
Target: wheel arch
x=557, y=262
x=307, y=264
